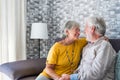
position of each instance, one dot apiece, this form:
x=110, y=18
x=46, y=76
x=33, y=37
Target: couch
x=29, y=69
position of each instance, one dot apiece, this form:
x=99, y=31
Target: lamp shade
x=39, y=31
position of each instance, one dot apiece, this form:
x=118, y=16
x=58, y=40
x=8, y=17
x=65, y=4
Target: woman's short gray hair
x=70, y=25
x=98, y=23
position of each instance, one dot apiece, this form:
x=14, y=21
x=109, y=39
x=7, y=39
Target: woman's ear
x=66, y=31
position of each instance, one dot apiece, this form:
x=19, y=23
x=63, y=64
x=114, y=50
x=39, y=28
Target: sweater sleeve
x=74, y=77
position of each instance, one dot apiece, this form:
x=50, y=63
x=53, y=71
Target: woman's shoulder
x=83, y=39
x=58, y=44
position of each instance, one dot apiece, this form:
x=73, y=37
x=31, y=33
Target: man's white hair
x=98, y=23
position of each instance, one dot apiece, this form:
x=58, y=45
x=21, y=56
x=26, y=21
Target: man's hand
x=106, y=38
x=65, y=77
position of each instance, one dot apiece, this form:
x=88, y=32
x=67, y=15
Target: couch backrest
x=116, y=44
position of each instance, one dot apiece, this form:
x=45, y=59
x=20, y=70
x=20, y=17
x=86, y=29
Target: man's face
x=88, y=32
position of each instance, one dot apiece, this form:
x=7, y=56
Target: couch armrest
x=18, y=69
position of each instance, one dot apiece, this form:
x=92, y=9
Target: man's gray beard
x=88, y=37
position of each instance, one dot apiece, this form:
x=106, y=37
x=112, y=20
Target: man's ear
x=92, y=29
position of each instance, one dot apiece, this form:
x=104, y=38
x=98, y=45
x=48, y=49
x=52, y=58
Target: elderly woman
x=64, y=56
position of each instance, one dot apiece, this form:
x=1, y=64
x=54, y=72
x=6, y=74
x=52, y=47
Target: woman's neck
x=68, y=41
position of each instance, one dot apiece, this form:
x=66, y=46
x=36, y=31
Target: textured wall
x=56, y=12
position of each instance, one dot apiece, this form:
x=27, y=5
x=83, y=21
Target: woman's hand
x=50, y=71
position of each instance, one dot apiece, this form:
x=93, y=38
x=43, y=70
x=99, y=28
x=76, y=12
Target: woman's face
x=73, y=33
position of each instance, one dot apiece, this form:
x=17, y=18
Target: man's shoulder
x=105, y=43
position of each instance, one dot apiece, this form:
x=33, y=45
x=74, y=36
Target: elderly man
x=98, y=56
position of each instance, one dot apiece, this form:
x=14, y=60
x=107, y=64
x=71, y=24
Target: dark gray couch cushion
x=115, y=44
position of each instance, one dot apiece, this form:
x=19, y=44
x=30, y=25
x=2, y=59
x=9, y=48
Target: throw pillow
x=117, y=66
